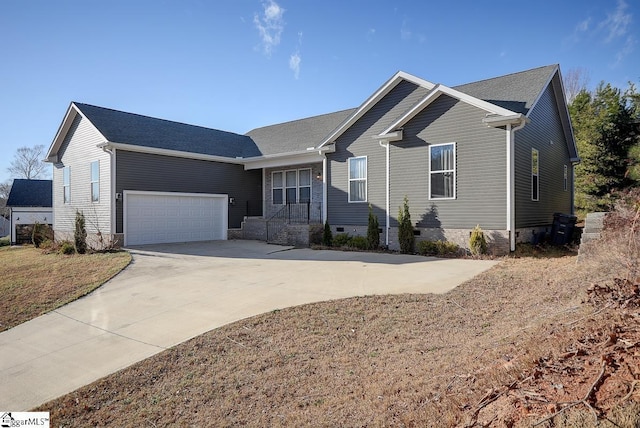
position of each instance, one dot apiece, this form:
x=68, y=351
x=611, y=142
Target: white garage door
x=162, y=217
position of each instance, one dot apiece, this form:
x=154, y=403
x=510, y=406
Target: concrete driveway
x=171, y=293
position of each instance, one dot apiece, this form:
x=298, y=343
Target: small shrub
x=373, y=236
x=327, y=236
x=37, y=234
x=4, y=241
x=341, y=240
x=80, y=234
x=438, y=248
x=66, y=247
x=405, y=229
x=315, y=234
x=477, y=241
x=359, y=242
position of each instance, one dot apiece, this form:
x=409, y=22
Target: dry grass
x=496, y=351
x=33, y=283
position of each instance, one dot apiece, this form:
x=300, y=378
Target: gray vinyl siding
x=77, y=152
x=480, y=168
x=357, y=141
x=147, y=172
x=480, y=165
x=545, y=133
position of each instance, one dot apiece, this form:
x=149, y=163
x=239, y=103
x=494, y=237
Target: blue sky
x=240, y=64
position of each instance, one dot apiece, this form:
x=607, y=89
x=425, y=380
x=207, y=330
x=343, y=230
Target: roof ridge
x=506, y=75
x=301, y=119
x=79, y=104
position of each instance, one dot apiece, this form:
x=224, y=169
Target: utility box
x=562, y=229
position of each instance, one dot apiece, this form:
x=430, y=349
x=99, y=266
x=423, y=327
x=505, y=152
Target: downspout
x=386, y=227
x=324, y=189
x=112, y=196
x=511, y=183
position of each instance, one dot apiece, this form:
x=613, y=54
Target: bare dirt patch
x=534, y=341
x=33, y=283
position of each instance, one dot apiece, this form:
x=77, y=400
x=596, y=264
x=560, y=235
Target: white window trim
x=297, y=187
x=92, y=181
x=365, y=179
x=537, y=175
x=66, y=185
x=454, y=171
x=282, y=188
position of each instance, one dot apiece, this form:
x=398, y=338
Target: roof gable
x=373, y=100
x=30, y=193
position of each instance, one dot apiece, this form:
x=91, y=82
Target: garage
x=163, y=217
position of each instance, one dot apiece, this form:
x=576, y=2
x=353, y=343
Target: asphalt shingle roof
x=30, y=193
x=297, y=135
x=516, y=92
x=130, y=128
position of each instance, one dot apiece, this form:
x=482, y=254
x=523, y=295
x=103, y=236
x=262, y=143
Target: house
x=498, y=152
x=29, y=202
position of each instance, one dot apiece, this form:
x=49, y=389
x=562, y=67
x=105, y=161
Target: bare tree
x=5, y=188
x=28, y=163
x=575, y=80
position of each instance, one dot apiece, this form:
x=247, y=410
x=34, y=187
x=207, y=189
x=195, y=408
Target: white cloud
x=617, y=23
x=294, y=64
x=270, y=25
x=405, y=32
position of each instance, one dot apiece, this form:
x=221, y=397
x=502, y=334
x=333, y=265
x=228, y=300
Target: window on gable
x=358, y=179
x=535, y=175
x=66, y=184
x=95, y=181
x=442, y=171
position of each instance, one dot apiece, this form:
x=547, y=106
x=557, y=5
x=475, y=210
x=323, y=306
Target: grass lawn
x=33, y=283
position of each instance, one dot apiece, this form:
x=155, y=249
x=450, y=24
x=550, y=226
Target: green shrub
x=438, y=248
x=5, y=241
x=67, y=247
x=315, y=234
x=359, y=242
x=405, y=229
x=80, y=234
x=373, y=235
x=477, y=241
x=341, y=240
x=327, y=236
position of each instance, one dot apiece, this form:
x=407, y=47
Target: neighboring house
x=29, y=202
x=498, y=153
x=5, y=227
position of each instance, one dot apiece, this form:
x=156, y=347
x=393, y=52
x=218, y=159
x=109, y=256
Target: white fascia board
x=440, y=89
x=69, y=117
x=287, y=159
x=173, y=153
x=389, y=136
x=496, y=121
x=372, y=100
x=551, y=75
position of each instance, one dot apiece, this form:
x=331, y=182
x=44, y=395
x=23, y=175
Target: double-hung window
x=442, y=171
x=95, y=181
x=304, y=186
x=358, y=179
x=535, y=175
x=66, y=184
x=291, y=187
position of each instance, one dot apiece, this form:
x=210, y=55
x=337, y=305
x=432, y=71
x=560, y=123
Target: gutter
x=511, y=182
x=113, y=200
